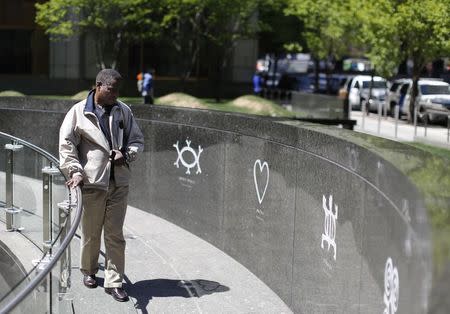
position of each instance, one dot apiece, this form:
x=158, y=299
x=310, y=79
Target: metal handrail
x=33, y=147
x=62, y=248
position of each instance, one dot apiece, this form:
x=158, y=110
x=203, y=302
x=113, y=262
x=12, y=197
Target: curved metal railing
x=57, y=230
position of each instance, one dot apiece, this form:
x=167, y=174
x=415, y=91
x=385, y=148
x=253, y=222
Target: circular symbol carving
x=196, y=156
x=391, y=287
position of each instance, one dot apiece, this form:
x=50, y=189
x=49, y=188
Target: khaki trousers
x=104, y=210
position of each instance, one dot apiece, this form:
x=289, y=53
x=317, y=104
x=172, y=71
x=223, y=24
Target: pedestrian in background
x=257, y=84
x=98, y=140
x=147, y=87
x=139, y=79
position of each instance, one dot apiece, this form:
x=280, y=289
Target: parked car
x=335, y=82
x=295, y=82
x=396, y=94
x=433, y=99
x=359, y=89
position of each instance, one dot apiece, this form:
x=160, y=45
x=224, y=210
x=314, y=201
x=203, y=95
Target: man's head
x=107, y=85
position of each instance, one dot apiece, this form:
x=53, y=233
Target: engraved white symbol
x=391, y=287
x=329, y=225
x=196, y=156
x=262, y=166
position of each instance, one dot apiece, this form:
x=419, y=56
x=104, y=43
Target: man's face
x=107, y=94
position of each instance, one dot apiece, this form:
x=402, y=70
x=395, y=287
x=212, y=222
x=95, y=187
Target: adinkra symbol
x=329, y=234
x=196, y=156
x=391, y=287
x=262, y=166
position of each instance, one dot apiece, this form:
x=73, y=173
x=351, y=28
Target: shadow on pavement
x=143, y=291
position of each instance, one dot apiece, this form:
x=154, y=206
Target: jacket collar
x=90, y=104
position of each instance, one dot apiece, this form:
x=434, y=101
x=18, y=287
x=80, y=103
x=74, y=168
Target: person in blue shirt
x=147, y=87
x=257, y=84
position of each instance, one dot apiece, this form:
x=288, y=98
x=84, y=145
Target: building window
x=15, y=52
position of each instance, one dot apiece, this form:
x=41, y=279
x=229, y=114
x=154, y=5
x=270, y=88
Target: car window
x=376, y=84
x=349, y=84
x=394, y=87
x=357, y=84
x=434, y=89
x=404, y=88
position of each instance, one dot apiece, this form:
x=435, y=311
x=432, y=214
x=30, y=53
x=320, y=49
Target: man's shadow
x=143, y=291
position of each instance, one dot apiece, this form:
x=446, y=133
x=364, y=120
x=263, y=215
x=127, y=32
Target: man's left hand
x=119, y=159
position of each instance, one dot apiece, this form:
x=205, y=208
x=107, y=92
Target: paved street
x=385, y=127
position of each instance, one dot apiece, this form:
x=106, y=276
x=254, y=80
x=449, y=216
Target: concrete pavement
x=436, y=135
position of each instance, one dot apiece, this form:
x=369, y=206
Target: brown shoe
x=118, y=294
x=90, y=281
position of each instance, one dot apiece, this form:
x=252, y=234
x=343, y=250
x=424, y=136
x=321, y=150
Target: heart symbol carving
x=262, y=166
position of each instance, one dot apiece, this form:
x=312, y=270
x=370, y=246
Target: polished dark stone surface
x=259, y=228
x=317, y=105
x=382, y=190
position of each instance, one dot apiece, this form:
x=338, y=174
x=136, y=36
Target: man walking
x=147, y=87
x=98, y=140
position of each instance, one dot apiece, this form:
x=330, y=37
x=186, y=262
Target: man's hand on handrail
x=76, y=180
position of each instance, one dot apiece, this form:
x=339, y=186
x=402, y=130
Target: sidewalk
x=435, y=135
x=169, y=270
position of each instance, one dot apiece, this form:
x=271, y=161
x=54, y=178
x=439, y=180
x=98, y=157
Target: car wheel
x=421, y=113
x=392, y=110
x=362, y=100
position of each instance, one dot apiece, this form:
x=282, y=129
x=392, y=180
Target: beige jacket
x=84, y=148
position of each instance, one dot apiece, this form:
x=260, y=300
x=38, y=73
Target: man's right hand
x=76, y=180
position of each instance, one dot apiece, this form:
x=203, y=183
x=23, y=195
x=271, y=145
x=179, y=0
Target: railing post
x=12, y=221
x=47, y=183
x=426, y=124
x=64, y=223
x=415, y=121
x=47, y=219
x=379, y=118
x=448, y=128
x=363, y=111
x=397, y=114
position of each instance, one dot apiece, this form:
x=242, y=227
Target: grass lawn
x=247, y=104
x=435, y=150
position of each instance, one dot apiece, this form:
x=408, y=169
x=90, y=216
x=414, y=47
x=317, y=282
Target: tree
x=328, y=27
x=227, y=21
x=279, y=32
x=398, y=30
x=111, y=23
x=183, y=24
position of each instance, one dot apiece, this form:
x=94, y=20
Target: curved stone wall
x=328, y=218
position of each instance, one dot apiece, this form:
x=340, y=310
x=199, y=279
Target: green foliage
x=293, y=47
x=329, y=25
x=111, y=23
x=134, y=19
x=424, y=29
x=279, y=33
x=397, y=30
x=379, y=35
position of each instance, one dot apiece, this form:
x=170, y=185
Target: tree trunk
x=369, y=100
x=218, y=79
x=417, y=67
x=328, y=77
x=316, y=75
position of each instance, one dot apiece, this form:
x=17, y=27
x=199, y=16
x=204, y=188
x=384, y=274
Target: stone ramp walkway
x=169, y=270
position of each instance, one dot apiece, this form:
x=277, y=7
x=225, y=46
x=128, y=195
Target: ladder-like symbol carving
x=329, y=234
